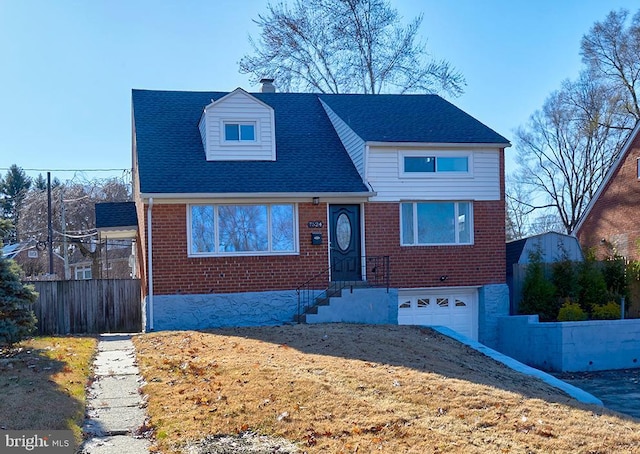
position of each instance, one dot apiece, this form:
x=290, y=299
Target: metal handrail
x=319, y=287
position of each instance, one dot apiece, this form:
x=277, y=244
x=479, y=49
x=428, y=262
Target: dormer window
x=239, y=132
x=238, y=127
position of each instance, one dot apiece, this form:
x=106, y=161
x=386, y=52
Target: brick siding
x=175, y=273
x=613, y=217
x=422, y=266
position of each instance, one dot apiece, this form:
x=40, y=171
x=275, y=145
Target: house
x=552, y=246
x=383, y=208
x=117, y=225
x=33, y=258
x=609, y=224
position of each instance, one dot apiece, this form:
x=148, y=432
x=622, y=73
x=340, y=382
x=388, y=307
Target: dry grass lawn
x=43, y=381
x=354, y=388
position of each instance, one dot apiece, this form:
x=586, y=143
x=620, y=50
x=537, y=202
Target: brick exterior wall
x=614, y=215
x=422, y=266
x=175, y=273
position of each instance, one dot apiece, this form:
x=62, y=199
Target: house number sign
x=315, y=224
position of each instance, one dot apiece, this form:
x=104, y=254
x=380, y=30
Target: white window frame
x=223, y=130
x=415, y=223
x=83, y=270
x=218, y=253
x=436, y=155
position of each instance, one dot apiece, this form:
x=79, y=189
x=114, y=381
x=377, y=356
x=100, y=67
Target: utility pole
x=65, y=251
x=50, y=226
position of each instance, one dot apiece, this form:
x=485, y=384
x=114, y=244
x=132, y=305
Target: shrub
x=592, y=286
x=564, y=276
x=609, y=311
x=571, y=312
x=17, y=320
x=614, y=271
x=538, y=293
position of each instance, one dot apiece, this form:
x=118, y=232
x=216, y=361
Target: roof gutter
x=179, y=197
x=474, y=145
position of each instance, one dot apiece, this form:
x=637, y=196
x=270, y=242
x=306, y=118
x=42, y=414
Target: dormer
x=238, y=127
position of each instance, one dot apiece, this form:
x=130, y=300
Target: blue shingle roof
x=310, y=157
x=171, y=157
x=116, y=214
x=410, y=118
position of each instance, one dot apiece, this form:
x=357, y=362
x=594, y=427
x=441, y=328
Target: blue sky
x=68, y=67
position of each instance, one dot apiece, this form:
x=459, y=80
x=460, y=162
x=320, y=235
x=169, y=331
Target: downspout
x=150, y=263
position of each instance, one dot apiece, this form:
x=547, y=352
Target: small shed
x=553, y=246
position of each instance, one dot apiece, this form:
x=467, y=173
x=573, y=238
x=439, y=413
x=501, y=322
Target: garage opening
x=453, y=307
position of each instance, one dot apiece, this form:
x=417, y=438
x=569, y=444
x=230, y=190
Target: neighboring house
x=33, y=258
x=243, y=198
x=552, y=246
x=117, y=226
x=609, y=224
x=11, y=251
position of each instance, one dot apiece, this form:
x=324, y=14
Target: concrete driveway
x=619, y=390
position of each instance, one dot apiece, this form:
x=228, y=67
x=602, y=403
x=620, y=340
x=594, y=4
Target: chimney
x=267, y=86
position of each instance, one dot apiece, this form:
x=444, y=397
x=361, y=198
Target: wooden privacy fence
x=89, y=306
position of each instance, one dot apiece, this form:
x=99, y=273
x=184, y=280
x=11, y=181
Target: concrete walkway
x=115, y=409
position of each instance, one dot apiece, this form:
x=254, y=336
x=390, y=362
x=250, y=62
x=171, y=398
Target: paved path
x=115, y=408
x=619, y=390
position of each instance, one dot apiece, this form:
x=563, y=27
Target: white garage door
x=454, y=308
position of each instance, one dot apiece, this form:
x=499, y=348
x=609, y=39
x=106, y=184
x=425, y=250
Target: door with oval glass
x=344, y=234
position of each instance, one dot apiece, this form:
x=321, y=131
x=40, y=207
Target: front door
x=344, y=233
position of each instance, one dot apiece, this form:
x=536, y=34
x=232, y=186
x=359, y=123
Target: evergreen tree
x=14, y=188
x=17, y=320
x=40, y=183
x=564, y=277
x=591, y=282
x=538, y=293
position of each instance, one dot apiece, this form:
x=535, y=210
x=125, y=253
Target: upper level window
x=240, y=132
x=83, y=273
x=413, y=164
x=434, y=223
x=242, y=229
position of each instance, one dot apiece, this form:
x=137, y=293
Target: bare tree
x=518, y=206
x=78, y=200
x=345, y=46
x=611, y=52
x=566, y=148
x=547, y=221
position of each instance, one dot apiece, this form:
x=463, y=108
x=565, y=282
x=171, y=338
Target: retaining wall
x=570, y=346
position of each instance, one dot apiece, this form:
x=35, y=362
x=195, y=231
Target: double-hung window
x=247, y=229
x=436, y=223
